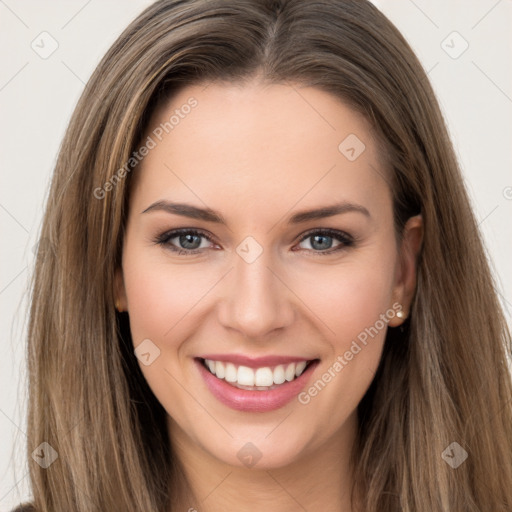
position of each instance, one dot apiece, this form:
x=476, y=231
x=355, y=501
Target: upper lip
x=254, y=362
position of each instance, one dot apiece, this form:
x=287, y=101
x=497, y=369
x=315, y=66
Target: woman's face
x=286, y=257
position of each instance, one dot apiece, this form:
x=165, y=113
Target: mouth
x=253, y=387
x=263, y=378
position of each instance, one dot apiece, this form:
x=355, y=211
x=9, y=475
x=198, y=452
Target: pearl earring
x=400, y=314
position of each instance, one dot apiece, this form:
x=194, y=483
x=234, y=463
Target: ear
x=119, y=291
x=406, y=272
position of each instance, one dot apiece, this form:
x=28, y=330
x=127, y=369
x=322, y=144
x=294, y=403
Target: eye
x=192, y=241
x=184, y=241
x=326, y=241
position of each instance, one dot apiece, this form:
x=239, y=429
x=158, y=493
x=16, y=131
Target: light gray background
x=37, y=97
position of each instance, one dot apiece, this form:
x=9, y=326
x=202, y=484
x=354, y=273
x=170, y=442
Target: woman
x=263, y=286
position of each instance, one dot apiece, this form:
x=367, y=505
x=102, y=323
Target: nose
x=257, y=301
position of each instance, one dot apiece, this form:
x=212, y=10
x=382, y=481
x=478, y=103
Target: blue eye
x=191, y=241
x=327, y=241
x=184, y=241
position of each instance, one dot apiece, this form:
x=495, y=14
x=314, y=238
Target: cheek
x=350, y=297
x=355, y=303
x=161, y=299
x=160, y=295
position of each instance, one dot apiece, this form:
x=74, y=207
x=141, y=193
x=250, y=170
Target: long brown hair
x=443, y=378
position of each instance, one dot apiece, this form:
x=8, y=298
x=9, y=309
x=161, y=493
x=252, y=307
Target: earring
x=401, y=314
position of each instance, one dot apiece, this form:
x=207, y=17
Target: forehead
x=259, y=145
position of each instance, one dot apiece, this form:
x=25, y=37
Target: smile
x=260, y=379
x=255, y=385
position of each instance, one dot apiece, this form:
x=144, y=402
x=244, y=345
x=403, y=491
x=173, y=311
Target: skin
x=257, y=154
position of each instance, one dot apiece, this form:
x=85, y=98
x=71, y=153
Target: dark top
x=27, y=507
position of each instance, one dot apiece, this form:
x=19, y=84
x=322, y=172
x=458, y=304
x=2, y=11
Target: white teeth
x=245, y=376
x=220, y=370
x=264, y=377
x=300, y=368
x=231, y=372
x=290, y=372
x=279, y=377
x=261, y=378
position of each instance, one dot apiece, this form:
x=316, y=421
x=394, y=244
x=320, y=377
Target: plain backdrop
x=464, y=45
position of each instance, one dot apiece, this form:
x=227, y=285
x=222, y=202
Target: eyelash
x=345, y=239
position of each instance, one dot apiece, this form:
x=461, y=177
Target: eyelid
x=335, y=233
x=164, y=239
x=345, y=240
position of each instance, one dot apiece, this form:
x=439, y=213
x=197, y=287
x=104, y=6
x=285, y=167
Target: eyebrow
x=209, y=215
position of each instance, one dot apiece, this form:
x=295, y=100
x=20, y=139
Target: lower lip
x=254, y=401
